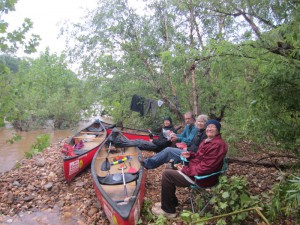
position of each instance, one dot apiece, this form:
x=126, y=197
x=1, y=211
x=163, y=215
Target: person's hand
x=185, y=154
x=178, y=166
x=169, y=132
x=174, y=137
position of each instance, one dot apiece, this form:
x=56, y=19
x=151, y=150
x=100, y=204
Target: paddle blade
x=105, y=165
x=132, y=170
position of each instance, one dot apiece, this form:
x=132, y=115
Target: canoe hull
x=113, y=216
x=130, y=133
x=121, y=204
x=73, y=165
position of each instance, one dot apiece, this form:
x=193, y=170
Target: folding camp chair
x=196, y=189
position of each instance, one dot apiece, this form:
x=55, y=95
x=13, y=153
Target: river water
x=10, y=154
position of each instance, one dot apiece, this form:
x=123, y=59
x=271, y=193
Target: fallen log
x=271, y=163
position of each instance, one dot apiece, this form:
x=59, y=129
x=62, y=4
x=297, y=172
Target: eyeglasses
x=211, y=126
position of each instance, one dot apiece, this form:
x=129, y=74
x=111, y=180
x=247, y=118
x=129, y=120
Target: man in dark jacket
x=174, y=153
x=155, y=145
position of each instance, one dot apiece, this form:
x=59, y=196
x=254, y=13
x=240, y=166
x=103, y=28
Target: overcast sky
x=46, y=14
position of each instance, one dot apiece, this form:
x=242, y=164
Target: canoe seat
x=117, y=178
x=95, y=129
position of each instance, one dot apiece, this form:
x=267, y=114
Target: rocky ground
x=35, y=192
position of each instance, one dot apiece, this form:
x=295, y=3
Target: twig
x=257, y=209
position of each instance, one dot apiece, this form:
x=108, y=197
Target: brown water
x=10, y=154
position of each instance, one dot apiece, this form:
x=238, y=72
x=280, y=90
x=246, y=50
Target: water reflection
x=49, y=217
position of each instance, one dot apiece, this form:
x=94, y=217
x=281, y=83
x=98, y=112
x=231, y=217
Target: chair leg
x=203, y=209
x=199, y=191
x=192, y=201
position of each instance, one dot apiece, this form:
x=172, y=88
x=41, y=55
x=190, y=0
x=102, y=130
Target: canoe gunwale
x=124, y=211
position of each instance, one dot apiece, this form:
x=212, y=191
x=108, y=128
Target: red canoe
x=79, y=150
x=130, y=133
x=119, y=182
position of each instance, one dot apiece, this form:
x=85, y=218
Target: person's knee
x=167, y=149
x=167, y=173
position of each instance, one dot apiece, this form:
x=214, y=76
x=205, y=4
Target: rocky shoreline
x=38, y=185
x=36, y=192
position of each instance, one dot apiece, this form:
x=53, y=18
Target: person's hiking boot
x=158, y=205
x=142, y=162
x=159, y=211
x=113, y=135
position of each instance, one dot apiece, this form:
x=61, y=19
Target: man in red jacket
x=208, y=159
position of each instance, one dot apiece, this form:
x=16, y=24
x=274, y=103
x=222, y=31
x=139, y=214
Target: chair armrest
x=223, y=170
x=209, y=175
x=183, y=159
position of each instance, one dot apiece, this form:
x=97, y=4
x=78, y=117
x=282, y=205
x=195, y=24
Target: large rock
x=40, y=162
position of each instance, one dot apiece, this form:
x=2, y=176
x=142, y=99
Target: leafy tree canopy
x=235, y=60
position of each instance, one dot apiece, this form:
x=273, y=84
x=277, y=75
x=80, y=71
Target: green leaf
x=245, y=198
x=223, y=205
x=225, y=195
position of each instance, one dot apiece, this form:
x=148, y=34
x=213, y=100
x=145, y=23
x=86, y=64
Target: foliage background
x=236, y=61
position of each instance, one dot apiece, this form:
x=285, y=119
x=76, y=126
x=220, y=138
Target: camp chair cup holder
x=204, y=192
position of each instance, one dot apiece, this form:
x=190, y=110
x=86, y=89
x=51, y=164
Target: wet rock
x=61, y=203
x=10, y=198
x=16, y=183
x=79, y=184
x=67, y=215
x=52, y=176
x=34, y=209
x=28, y=198
x=92, y=211
x=55, y=189
x=80, y=222
x=40, y=162
x=48, y=186
x=9, y=220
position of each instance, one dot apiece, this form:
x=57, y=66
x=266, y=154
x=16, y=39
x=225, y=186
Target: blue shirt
x=187, y=135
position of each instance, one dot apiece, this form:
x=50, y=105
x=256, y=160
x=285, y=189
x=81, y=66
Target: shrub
x=230, y=195
x=286, y=198
x=42, y=141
